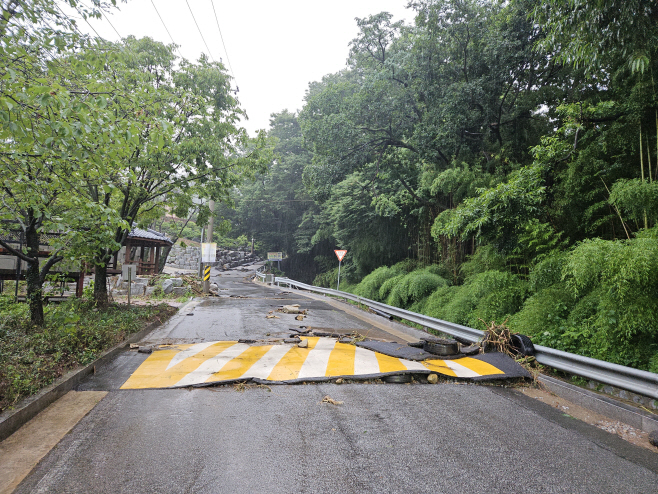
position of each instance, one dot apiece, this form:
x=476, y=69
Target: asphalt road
x=443, y=438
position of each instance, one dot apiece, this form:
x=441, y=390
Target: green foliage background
x=491, y=160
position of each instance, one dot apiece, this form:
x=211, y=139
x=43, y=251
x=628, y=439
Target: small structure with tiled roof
x=149, y=242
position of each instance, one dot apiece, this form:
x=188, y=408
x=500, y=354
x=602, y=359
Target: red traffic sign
x=340, y=254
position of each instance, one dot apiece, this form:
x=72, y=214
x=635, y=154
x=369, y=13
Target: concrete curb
x=12, y=420
x=614, y=409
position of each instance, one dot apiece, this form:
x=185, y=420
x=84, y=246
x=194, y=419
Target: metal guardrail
x=634, y=380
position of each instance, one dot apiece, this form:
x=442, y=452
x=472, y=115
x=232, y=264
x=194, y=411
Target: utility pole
x=211, y=205
x=201, y=255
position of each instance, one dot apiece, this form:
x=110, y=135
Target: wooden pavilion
x=149, y=242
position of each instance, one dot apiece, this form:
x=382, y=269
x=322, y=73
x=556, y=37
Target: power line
x=199, y=29
x=87, y=21
x=166, y=29
x=108, y=21
x=222, y=38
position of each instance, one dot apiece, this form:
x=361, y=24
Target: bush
x=388, y=285
x=492, y=296
x=328, y=279
x=413, y=287
x=548, y=272
x=623, y=275
x=486, y=258
x=544, y=315
x=75, y=333
x=435, y=304
x=370, y=285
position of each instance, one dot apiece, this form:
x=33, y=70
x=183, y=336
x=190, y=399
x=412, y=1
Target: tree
x=460, y=93
x=52, y=128
x=189, y=140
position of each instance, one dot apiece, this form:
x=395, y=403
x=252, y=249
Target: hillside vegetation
x=489, y=160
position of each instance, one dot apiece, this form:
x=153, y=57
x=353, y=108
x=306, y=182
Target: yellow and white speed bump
x=213, y=362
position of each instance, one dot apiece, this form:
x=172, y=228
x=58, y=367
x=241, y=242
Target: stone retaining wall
x=188, y=257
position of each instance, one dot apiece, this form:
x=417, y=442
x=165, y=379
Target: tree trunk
x=163, y=258
x=100, y=282
x=34, y=288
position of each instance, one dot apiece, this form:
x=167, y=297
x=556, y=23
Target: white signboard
x=208, y=252
x=133, y=271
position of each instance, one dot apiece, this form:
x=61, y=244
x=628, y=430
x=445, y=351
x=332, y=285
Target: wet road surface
x=446, y=437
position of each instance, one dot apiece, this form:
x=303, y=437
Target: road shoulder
x=26, y=447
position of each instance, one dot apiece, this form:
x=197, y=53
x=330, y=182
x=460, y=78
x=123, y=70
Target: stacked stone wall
x=184, y=257
x=188, y=257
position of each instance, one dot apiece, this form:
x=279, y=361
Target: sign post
x=128, y=271
x=275, y=256
x=339, y=254
x=208, y=255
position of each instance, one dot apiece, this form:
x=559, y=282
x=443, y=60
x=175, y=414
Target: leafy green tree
x=190, y=142
x=53, y=134
x=271, y=206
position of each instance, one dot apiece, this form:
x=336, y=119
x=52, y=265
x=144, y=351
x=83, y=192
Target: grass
x=75, y=333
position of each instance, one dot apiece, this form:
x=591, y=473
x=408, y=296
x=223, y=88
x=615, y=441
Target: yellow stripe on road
x=289, y=366
x=440, y=367
x=236, y=367
x=341, y=361
x=156, y=373
x=389, y=364
x=216, y=362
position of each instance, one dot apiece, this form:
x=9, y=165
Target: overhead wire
x=166, y=29
x=199, y=29
x=110, y=23
x=222, y=38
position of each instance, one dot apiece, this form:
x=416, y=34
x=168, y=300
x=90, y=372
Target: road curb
x=609, y=407
x=12, y=420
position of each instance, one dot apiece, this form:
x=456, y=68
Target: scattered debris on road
x=145, y=349
x=331, y=401
x=292, y=309
x=242, y=386
x=433, y=379
x=303, y=344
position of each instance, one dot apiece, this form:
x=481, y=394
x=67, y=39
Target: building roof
x=148, y=234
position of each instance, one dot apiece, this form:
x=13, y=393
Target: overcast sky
x=275, y=48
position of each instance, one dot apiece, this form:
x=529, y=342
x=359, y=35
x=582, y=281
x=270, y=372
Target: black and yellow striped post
x=206, y=279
